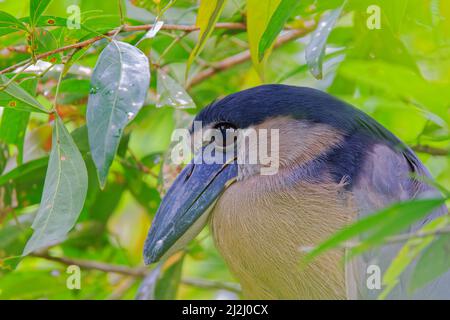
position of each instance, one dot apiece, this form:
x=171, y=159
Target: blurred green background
x=399, y=73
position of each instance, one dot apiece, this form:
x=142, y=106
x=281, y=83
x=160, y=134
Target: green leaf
x=169, y=281
x=64, y=192
x=147, y=196
x=275, y=25
x=378, y=226
x=119, y=85
x=12, y=241
x=259, y=14
x=163, y=282
x=9, y=24
x=14, y=122
x=23, y=170
x=13, y=96
x=315, y=50
x=408, y=254
x=391, y=79
x=37, y=8
x=208, y=14
x=434, y=262
x=12, y=129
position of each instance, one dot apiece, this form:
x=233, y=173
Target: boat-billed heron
x=335, y=164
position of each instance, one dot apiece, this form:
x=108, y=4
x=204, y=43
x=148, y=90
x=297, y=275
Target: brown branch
x=431, y=150
x=95, y=265
x=136, y=272
x=176, y=27
x=244, y=56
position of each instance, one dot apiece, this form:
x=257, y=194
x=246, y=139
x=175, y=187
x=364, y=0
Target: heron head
x=287, y=120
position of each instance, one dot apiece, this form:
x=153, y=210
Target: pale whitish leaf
x=119, y=85
x=171, y=93
x=152, y=32
x=64, y=192
x=13, y=96
x=315, y=49
x=208, y=14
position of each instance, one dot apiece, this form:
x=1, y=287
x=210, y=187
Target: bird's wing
x=386, y=178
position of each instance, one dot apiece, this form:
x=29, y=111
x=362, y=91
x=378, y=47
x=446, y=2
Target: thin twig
x=431, y=150
x=243, y=57
x=173, y=27
x=136, y=272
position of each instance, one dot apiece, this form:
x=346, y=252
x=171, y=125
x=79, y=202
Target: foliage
x=88, y=111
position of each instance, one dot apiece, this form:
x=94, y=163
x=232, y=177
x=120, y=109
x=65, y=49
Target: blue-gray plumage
x=337, y=164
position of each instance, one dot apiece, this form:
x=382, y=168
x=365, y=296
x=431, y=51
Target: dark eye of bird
x=226, y=129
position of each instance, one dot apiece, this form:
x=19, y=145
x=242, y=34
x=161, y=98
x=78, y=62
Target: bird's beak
x=185, y=208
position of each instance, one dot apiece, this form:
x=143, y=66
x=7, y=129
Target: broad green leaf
x=14, y=122
x=391, y=79
x=208, y=14
x=64, y=192
x=171, y=93
x=376, y=227
x=408, y=254
x=275, y=25
x=9, y=24
x=315, y=50
x=259, y=14
x=37, y=8
x=434, y=262
x=23, y=170
x=13, y=96
x=119, y=85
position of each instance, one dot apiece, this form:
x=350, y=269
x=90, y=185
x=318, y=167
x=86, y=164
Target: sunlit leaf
x=9, y=24
x=208, y=14
x=391, y=79
x=13, y=96
x=315, y=50
x=378, y=226
x=275, y=25
x=259, y=15
x=37, y=8
x=64, y=192
x=119, y=85
x=171, y=93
